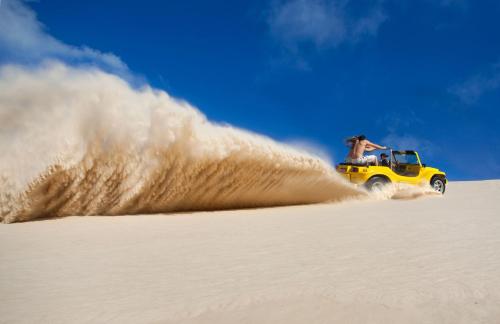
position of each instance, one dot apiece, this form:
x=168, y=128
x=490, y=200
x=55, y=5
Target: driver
x=360, y=145
x=384, y=161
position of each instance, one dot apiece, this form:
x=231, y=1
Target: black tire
x=376, y=183
x=438, y=184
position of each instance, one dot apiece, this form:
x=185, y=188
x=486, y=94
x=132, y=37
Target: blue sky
x=419, y=75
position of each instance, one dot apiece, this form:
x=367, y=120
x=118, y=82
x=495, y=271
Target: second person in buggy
x=384, y=161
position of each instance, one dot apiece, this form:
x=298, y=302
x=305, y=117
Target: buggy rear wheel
x=376, y=183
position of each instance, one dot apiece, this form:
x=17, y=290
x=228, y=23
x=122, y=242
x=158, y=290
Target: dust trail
x=80, y=141
x=403, y=192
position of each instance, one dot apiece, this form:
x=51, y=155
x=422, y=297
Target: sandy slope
x=426, y=260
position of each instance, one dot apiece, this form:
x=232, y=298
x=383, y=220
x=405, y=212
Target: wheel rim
x=438, y=185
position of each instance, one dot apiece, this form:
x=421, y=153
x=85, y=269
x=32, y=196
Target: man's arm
x=372, y=146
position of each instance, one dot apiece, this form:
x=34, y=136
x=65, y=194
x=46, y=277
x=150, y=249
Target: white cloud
x=323, y=23
x=471, y=90
x=23, y=39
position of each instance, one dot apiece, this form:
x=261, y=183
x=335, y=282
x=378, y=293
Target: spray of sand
x=83, y=142
x=403, y=191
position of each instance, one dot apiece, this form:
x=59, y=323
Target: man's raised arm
x=372, y=146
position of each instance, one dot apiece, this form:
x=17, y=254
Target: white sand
x=430, y=260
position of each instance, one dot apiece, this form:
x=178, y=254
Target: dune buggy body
x=404, y=167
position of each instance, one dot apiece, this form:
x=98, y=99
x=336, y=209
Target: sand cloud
x=79, y=141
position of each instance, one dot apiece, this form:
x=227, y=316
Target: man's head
x=349, y=142
x=361, y=137
x=384, y=156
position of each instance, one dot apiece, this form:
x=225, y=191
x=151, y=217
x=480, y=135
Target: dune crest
x=83, y=142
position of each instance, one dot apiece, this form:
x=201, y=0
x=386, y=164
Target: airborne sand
x=79, y=141
x=428, y=260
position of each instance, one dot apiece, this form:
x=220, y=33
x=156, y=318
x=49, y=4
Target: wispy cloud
x=472, y=89
x=400, y=128
x=410, y=142
x=454, y=3
x=323, y=23
x=311, y=147
x=23, y=39
x=402, y=119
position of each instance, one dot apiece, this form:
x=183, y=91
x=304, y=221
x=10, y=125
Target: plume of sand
x=80, y=141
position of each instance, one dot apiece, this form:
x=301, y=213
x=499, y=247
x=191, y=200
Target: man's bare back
x=360, y=145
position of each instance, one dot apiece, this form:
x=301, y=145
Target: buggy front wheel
x=438, y=184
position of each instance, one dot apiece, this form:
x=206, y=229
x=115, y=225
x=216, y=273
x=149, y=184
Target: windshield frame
x=406, y=153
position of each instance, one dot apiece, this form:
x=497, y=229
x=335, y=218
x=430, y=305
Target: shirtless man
x=359, y=145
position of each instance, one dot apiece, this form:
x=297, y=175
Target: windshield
x=405, y=158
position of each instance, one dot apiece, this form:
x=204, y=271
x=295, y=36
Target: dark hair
x=383, y=154
x=361, y=137
x=350, y=141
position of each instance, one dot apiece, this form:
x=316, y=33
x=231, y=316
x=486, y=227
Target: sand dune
x=428, y=260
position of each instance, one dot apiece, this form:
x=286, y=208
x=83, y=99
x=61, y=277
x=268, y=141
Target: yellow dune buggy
x=403, y=167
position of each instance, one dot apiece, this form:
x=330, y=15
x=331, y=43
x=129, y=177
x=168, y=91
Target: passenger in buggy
x=358, y=146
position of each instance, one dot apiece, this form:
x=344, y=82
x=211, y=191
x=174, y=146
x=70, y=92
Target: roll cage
x=403, y=162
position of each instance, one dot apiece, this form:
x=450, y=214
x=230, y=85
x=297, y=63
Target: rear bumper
x=358, y=178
